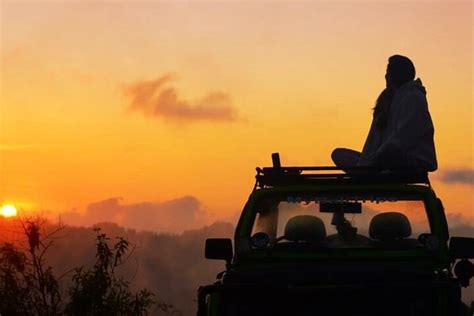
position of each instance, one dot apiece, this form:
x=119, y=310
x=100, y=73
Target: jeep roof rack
x=279, y=176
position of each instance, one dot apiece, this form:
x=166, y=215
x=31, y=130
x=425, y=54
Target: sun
x=8, y=210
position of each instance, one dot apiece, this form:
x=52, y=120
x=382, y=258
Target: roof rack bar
x=328, y=168
x=320, y=168
x=278, y=175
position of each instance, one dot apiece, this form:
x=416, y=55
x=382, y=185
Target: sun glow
x=8, y=211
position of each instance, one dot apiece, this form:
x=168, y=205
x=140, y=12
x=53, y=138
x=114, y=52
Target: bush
x=28, y=287
x=99, y=291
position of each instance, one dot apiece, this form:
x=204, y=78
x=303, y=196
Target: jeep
x=318, y=241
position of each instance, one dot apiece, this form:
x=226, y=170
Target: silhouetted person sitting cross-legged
x=401, y=134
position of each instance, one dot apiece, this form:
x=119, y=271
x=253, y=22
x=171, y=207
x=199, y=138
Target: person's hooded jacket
x=407, y=140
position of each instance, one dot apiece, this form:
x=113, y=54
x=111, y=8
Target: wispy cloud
x=458, y=175
x=174, y=215
x=157, y=98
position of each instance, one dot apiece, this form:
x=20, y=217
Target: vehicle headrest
x=305, y=227
x=389, y=226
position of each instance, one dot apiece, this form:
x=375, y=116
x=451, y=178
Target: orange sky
x=298, y=78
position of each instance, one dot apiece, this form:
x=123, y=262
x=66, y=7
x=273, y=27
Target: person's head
x=400, y=69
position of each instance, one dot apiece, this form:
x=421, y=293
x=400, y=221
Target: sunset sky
x=168, y=105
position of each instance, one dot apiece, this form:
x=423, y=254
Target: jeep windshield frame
x=434, y=214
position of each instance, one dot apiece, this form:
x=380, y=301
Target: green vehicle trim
x=437, y=221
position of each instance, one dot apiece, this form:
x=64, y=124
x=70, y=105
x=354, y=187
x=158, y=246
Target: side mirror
x=461, y=248
x=219, y=248
x=464, y=271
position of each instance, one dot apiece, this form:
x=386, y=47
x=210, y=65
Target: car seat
x=305, y=228
x=392, y=228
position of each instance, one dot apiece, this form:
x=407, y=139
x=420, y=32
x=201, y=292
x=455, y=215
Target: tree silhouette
x=27, y=285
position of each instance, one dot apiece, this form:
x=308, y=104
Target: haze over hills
x=172, y=265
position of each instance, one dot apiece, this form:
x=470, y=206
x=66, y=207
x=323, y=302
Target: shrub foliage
x=29, y=287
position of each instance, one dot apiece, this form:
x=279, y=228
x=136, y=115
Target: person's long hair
x=382, y=108
x=401, y=70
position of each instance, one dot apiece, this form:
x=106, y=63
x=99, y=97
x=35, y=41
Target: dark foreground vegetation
x=59, y=270
x=30, y=287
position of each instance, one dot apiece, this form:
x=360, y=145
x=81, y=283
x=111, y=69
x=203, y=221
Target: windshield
x=336, y=221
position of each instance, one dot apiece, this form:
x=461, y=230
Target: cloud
x=155, y=98
x=459, y=175
x=459, y=225
x=174, y=215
